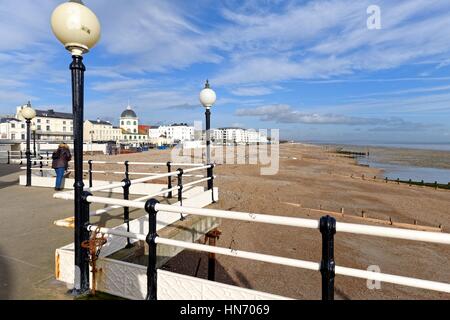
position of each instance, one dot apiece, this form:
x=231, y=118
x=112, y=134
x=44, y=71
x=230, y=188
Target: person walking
x=60, y=163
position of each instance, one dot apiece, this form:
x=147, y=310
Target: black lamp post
x=77, y=27
x=33, y=130
x=28, y=114
x=208, y=98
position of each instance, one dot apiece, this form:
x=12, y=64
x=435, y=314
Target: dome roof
x=128, y=113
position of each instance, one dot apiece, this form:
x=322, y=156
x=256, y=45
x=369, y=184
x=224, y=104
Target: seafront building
x=54, y=127
x=233, y=135
x=100, y=131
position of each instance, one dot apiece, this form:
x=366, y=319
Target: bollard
x=180, y=190
x=126, y=210
x=210, y=174
x=436, y=185
x=169, y=180
x=398, y=180
x=386, y=180
x=327, y=265
x=152, y=276
x=21, y=157
x=9, y=157
x=410, y=182
x=90, y=173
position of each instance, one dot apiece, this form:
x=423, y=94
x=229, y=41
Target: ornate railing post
x=152, y=276
x=327, y=266
x=127, y=170
x=126, y=210
x=169, y=179
x=90, y=173
x=180, y=189
x=210, y=173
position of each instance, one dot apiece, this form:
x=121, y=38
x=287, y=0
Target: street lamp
x=92, y=141
x=78, y=28
x=33, y=129
x=28, y=113
x=208, y=98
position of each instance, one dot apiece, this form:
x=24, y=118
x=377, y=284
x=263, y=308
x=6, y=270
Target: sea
x=429, y=162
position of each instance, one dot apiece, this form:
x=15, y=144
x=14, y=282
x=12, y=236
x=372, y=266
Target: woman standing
x=60, y=163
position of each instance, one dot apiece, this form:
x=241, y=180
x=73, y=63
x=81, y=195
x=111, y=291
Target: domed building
x=129, y=122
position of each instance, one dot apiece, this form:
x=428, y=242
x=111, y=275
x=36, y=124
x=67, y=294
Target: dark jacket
x=61, y=158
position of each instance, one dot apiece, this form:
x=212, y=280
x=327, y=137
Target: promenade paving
x=28, y=238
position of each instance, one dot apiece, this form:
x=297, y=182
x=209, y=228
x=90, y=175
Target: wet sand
x=310, y=177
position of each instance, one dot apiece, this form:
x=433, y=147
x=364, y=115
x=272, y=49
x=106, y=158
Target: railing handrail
x=108, y=172
x=425, y=236
x=297, y=263
x=146, y=179
x=130, y=163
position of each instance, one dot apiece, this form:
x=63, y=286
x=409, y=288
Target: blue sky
x=310, y=68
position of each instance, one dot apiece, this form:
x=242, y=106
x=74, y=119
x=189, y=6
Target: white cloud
x=286, y=114
x=251, y=91
x=323, y=39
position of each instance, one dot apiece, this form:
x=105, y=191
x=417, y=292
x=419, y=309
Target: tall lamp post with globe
x=208, y=98
x=78, y=28
x=33, y=130
x=28, y=113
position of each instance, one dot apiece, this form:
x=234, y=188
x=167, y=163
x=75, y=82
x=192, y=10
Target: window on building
x=38, y=120
x=48, y=128
x=64, y=129
x=48, y=121
x=23, y=136
x=38, y=127
x=135, y=123
x=135, y=131
x=22, y=126
x=13, y=136
x=128, y=123
x=71, y=128
x=64, y=122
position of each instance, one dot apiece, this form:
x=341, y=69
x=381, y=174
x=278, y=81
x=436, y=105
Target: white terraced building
x=12, y=129
x=51, y=125
x=237, y=135
x=178, y=132
x=100, y=131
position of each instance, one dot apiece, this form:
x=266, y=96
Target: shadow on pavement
x=7, y=169
x=5, y=278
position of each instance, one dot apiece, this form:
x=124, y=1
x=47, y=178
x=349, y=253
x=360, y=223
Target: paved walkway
x=28, y=238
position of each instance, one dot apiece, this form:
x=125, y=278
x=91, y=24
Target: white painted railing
x=331, y=228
